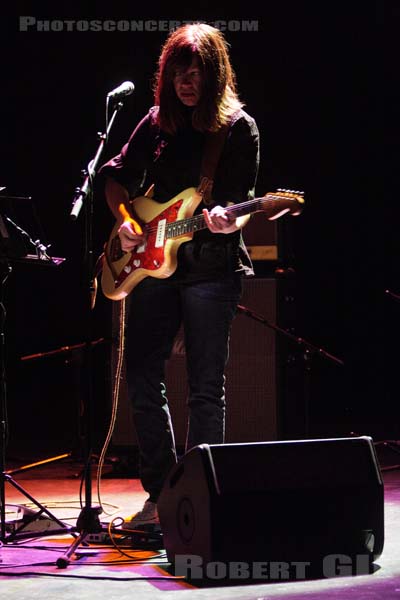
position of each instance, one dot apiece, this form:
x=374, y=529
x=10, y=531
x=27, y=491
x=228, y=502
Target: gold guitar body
x=157, y=257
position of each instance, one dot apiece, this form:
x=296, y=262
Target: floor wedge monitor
x=295, y=502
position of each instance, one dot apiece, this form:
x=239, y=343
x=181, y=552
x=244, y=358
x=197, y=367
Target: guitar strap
x=212, y=151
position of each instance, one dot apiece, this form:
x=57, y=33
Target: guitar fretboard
x=270, y=204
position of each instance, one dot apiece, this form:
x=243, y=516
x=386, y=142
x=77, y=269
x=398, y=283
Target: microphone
x=125, y=89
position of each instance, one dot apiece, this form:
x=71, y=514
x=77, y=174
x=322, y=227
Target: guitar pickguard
x=151, y=255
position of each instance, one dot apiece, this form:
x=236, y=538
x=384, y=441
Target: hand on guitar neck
x=219, y=220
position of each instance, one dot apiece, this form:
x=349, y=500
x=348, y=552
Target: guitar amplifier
x=261, y=238
x=253, y=374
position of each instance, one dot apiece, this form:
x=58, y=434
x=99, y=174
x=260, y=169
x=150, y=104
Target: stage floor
x=28, y=568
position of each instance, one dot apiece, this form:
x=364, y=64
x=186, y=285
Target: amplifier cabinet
x=256, y=409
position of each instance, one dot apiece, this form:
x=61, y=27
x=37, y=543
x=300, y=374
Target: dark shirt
x=172, y=164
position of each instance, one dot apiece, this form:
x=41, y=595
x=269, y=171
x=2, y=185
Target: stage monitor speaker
x=252, y=374
x=289, y=502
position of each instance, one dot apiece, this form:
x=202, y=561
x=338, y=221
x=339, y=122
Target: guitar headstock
x=285, y=201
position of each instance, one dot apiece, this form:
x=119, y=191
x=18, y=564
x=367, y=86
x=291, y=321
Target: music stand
x=17, y=245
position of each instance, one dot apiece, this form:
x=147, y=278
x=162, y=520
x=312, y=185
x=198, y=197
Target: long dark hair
x=219, y=98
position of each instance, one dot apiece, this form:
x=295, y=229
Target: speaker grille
x=251, y=388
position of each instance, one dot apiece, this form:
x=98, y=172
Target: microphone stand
x=86, y=190
x=392, y=295
x=309, y=350
x=88, y=521
x=393, y=445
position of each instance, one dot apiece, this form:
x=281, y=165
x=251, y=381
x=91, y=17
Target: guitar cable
x=115, y=399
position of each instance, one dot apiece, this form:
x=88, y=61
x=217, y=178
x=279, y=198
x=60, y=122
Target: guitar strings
x=199, y=219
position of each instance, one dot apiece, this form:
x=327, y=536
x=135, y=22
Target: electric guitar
x=167, y=226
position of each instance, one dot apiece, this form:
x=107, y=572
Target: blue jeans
x=157, y=309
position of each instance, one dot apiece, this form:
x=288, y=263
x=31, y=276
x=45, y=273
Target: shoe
x=147, y=516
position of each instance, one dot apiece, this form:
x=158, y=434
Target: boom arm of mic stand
x=298, y=340
x=392, y=295
x=83, y=191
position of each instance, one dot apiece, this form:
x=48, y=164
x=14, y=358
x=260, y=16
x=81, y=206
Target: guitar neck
x=197, y=222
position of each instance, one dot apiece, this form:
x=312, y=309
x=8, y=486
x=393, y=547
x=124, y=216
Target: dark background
x=315, y=79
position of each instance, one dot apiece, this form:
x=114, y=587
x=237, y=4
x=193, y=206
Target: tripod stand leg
x=64, y=560
x=88, y=522
x=42, y=510
x=2, y=512
x=39, y=463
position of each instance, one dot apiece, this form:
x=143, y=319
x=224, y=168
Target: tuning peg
x=293, y=192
